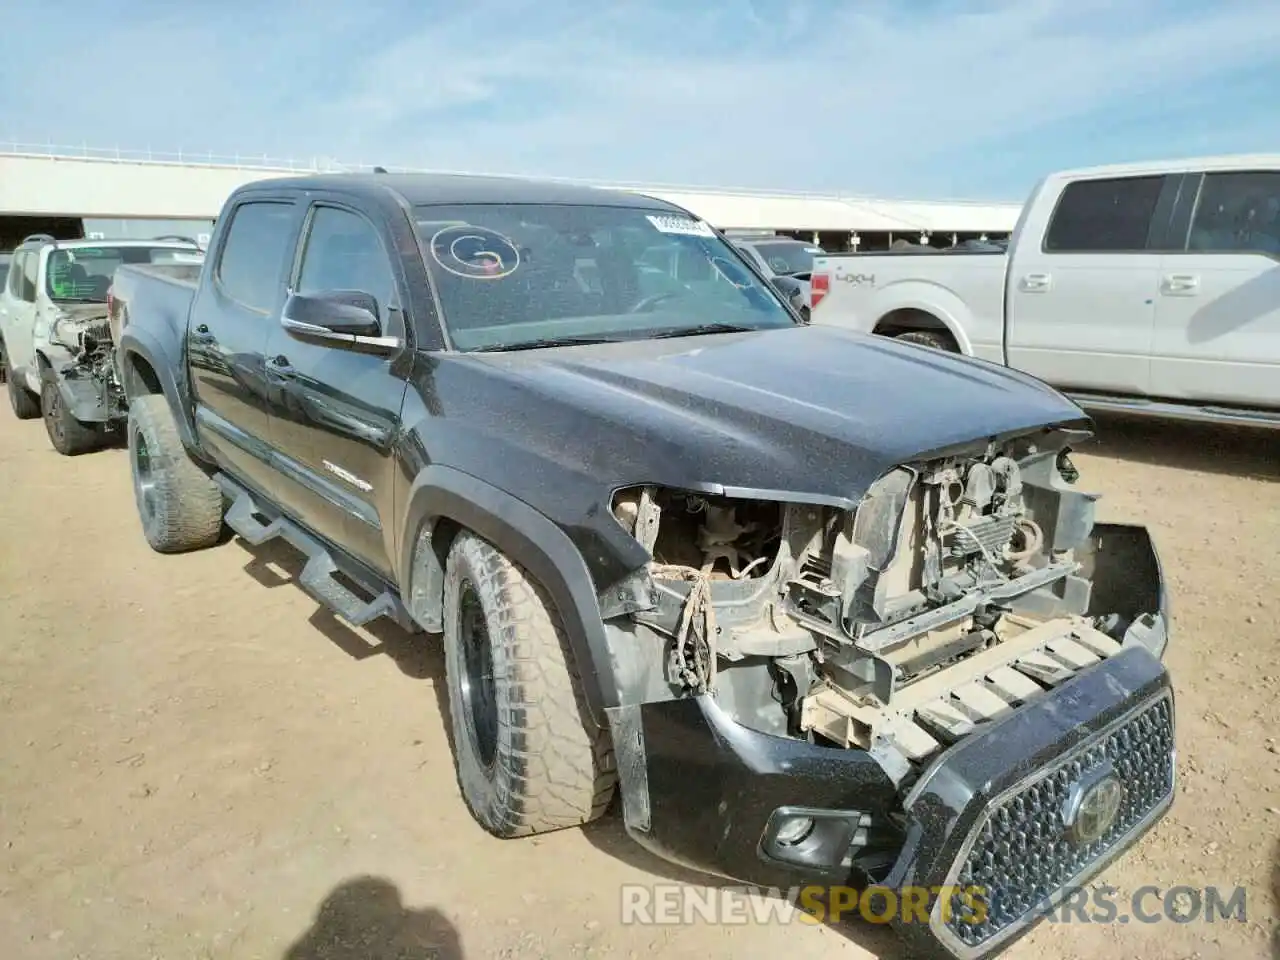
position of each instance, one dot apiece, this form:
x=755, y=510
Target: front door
x=1081, y=297
x=231, y=318
x=1217, y=336
x=336, y=412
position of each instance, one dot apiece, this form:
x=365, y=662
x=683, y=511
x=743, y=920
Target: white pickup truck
x=1150, y=289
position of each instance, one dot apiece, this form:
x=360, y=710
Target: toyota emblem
x=1093, y=804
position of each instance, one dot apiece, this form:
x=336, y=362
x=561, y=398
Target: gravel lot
x=196, y=763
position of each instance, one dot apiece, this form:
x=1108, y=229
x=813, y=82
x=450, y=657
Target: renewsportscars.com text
x=676, y=904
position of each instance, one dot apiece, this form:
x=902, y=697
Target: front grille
x=1021, y=854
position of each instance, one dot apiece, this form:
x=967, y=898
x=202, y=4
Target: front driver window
x=343, y=252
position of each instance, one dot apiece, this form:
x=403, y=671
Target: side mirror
x=339, y=318
x=792, y=291
x=784, y=285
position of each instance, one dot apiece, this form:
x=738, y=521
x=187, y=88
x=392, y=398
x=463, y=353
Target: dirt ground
x=195, y=763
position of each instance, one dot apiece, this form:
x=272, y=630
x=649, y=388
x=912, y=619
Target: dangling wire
x=694, y=631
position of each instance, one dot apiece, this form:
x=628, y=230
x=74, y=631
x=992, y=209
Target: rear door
x=232, y=317
x=20, y=319
x=1217, y=333
x=335, y=412
x=1081, y=294
x=10, y=298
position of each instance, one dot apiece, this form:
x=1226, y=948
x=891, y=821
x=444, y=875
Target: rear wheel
x=180, y=506
x=529, y=758
x=25, y=404
x=937, y=339
x=68, y=435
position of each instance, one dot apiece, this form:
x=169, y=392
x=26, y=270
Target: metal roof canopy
x=95, y=187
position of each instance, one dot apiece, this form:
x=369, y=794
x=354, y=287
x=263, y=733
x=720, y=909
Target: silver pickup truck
x=1150, y=289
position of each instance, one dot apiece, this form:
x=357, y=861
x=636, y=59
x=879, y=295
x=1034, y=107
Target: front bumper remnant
x=1000, y=813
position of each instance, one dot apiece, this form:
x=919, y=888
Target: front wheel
x=529, y=758
x=68, y=435
x=179, y=504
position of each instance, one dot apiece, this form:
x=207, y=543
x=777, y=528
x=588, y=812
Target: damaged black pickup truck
x=821, y=607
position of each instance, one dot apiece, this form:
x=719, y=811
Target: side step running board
x=1186, y=412
x=317, y=577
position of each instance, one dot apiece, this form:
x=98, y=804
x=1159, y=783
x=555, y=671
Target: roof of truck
x=1231, y=161
x=432, y=188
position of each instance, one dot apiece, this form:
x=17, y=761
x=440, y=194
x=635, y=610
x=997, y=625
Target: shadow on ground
x=610, y=836
x=364, y=918
x=1206, y=448
x=418, y=655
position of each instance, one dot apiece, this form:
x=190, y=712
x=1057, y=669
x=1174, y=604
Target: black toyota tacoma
x=819, y=606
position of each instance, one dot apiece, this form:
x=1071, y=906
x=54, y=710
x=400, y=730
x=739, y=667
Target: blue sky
x=925, y=99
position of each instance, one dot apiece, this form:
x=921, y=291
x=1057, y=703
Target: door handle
x=1036, y=282
x=1180, y=283
x=280, y=364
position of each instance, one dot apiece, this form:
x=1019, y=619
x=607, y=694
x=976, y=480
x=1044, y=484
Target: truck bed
x=164, y=290
x=873, y=292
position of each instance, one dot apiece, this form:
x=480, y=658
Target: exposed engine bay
x=959, y=589
x=88, y=366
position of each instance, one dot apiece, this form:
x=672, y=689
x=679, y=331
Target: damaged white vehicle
x=56, y=350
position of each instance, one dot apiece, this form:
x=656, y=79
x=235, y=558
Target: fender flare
x=528, y=538
x=147, y=346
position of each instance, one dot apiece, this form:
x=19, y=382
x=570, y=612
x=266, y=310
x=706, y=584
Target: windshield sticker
x=685, y=226
x=476, y=253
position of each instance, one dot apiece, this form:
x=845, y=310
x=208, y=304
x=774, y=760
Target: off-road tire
x=553, y=767
x=26, y=405
x=68, y=435
x=180, y=507
x=930, y=338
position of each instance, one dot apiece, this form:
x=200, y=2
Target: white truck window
x=1104, y=216
x=1237, y=212
x=15, y=275
x=30, y=263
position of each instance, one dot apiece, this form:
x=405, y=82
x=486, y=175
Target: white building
x=96, y=193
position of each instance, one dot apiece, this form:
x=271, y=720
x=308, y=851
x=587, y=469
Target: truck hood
x=812, y=410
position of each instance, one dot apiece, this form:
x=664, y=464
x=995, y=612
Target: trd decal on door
x=348, y=476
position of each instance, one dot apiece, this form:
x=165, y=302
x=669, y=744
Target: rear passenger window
x=1237, y=213
x=30, y=266
x=251, y=266
x=1104, y=216
x=14, y=285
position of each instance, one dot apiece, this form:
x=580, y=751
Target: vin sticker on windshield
x=682, y=225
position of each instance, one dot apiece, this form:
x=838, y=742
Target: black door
x=231, y=319
x=335, y=411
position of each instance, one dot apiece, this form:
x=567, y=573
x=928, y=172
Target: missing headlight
x=725, y=537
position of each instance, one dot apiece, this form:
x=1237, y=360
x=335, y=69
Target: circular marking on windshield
x=476, y=253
